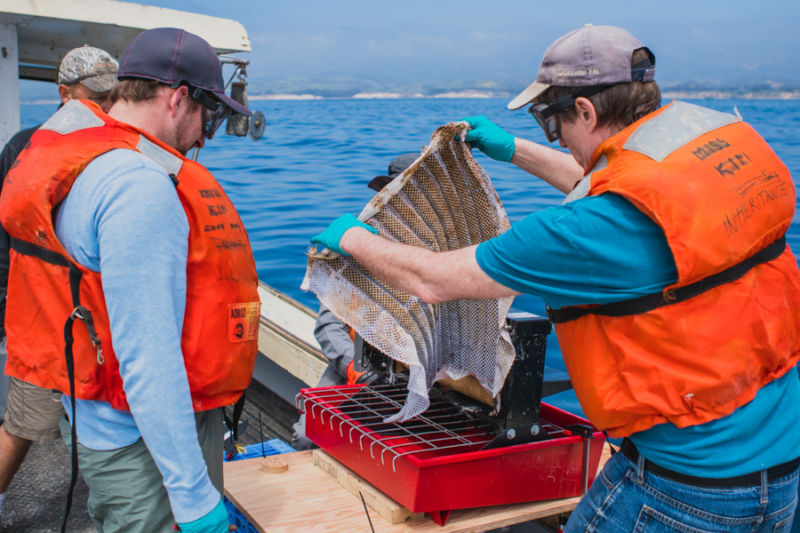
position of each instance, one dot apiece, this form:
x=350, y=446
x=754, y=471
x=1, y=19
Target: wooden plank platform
x=306, y=498
x=359, y=487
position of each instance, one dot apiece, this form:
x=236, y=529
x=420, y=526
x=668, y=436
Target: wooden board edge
x=390, y=510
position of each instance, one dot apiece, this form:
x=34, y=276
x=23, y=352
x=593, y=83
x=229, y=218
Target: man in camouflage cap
x=85, y=73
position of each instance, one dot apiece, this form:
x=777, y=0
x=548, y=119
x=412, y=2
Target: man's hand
x=332, y=235
x=214, y=522
x=490, y=139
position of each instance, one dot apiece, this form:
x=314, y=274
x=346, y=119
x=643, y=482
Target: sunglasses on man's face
x=214, y=111
x=545, y=115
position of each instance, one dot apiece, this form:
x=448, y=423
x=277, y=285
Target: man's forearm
x=399, y=265
x=432, y=276
x=557, y=168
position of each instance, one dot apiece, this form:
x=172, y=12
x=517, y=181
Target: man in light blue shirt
x=130, y=220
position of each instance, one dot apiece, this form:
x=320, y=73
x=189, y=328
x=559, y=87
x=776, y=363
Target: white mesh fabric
x=443, y=201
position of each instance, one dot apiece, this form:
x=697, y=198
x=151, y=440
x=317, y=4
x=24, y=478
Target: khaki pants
x=32, y=412
x=126, y=491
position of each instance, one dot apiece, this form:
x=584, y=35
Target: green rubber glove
x=490, y=138
x=214, y=522
x=333, y=234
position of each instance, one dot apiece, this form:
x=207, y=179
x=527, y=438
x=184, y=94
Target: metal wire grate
x=443, y=429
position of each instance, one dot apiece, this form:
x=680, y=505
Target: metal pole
x=585, y=481
x=9, y=83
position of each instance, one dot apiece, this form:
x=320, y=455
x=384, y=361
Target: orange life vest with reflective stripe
x=220, y=327
x=731, y=323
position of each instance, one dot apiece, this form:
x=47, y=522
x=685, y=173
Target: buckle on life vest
x=85, y=316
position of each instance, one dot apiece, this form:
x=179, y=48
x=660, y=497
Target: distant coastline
x=377, y=95
x=730, y=95
x=712, y=94
x=667, y=94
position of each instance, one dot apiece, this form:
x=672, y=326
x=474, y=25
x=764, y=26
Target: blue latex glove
x=214, y=522
x=490, y=138
x=333, y=234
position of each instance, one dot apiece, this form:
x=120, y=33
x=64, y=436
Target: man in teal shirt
x=734, y=473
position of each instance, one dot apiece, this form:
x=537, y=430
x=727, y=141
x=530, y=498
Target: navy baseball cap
x=175, y=56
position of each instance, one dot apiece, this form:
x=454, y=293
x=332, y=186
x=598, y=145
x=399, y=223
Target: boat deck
x=36, y=498
x=37, y=495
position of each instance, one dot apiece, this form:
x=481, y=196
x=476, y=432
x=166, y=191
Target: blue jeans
x=796, y=528
x=625, y=497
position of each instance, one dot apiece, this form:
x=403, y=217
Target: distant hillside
x=349, y=87
x=338, y=86
x=762, y=90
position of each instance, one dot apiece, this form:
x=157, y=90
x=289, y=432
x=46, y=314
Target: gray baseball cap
x=592, y=55
x=95, y=69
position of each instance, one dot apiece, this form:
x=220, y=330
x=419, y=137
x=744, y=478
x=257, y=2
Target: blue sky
x=731, y=42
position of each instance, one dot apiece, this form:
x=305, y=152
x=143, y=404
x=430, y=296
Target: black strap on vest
x=28, y=248
x=73, y=445
x=79, y=312
x=233, y=424
x=655, y=300
x=74, y=284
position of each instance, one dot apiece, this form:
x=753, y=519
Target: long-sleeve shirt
x=333, y=336
x=123, y=218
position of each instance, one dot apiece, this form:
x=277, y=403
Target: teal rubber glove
x=333, y=234
x=490, y=138
x=214, y=522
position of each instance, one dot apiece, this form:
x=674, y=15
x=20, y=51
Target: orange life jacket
x=220, y=327
x=731, y=323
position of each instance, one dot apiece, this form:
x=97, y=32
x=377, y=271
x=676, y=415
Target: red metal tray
x=435, y=462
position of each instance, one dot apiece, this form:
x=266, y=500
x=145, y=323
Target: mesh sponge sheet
x=443, y=201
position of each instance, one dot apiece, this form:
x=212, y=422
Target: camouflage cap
x=95, y=69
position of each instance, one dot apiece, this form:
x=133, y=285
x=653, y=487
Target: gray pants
x=126, y=490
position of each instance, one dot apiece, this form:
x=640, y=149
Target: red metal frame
x=437, y=480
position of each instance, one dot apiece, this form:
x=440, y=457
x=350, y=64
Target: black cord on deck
x=261, y=434
x=367, y=512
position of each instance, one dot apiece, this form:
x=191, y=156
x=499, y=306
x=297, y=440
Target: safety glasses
x=214, y=111
x=545, y=115
x=546, y=118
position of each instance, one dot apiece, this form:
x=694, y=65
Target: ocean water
x=316, y=157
